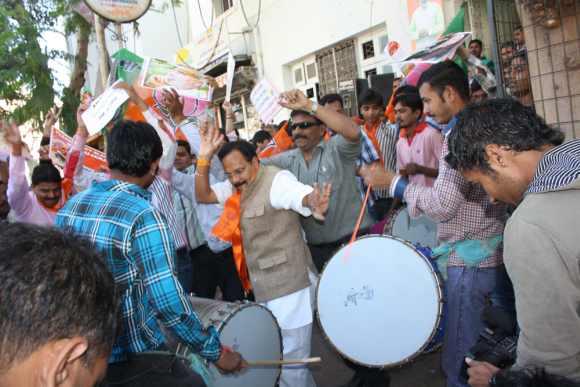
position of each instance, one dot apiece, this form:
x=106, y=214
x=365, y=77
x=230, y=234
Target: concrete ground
x=425, y=371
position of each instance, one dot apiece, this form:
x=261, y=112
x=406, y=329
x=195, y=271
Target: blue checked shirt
x=118, y=219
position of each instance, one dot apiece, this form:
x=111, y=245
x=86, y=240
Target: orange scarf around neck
x=228, y=229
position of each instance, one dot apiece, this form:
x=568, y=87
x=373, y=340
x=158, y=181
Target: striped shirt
x=388, y=135
x=118, y=219
x=462, y=210
x=558, y=168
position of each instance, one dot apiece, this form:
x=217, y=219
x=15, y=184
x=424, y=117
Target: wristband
x=398, y=186
x=201, y=162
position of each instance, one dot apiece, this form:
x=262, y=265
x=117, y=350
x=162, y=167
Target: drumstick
x=260, y=363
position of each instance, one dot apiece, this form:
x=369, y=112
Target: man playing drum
x=263, y=207
x=116, y=216
x=470, y=226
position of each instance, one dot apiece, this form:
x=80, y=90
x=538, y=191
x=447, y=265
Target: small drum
x=249, y=329
x=379, y=301
x=421, y=230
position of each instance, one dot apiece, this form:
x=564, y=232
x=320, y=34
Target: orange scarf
x=228, y=229
x=282, y=141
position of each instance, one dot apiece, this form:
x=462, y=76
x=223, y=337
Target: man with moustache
x=317, y=161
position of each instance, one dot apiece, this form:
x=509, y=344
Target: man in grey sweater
x=520, y=160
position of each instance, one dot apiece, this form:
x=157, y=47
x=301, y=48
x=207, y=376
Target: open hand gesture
x=11, y=133
x=295, y=100
x=211, y=140
x=50, y=119
x=318, y=200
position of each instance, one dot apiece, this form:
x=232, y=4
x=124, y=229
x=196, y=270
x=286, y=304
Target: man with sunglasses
x=317, y=161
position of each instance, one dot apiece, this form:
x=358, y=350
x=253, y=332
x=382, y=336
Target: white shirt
x=293, y=310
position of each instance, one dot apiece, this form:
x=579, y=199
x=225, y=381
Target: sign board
x=210, y=47
x=119, y=11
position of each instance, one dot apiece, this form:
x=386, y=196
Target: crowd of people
x=94, y=263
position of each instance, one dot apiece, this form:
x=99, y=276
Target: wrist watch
x=313, y=107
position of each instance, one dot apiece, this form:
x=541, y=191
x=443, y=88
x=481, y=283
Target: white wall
x=290, y=30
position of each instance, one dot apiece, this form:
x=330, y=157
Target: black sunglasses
x=303, y=125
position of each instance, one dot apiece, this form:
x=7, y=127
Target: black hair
x=45, y=172
x=531, y=378
x=519, y=28
x=132, y=147
x=406, y=89
x=45, y=140
x=54, y=286
x=410, y=98
x=507, y=44
x=504, y=122
x=295, y=113
x=443, y=74
x=370, y=97
x=477, y=41
x=261, y=136
x=475, y=86
x=247, y=149
x=330, y=98
x=184, y=144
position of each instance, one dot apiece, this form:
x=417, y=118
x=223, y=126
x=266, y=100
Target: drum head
x=421, y=230
x=252, y=331
x=379, y=301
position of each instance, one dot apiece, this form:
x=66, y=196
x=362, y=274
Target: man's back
x=117, y=218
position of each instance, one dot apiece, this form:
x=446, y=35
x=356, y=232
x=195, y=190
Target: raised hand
x=81, y=127
x=227, y=106
x=11, y=133
x=295, y=100
x=211, y=140
x=50, y=119
x=12, y=136
x=318, y=200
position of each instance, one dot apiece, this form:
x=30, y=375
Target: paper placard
x=103, y=109
x=265, y=98
x=230, y=76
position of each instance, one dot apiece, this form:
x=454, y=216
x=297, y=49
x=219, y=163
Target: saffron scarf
x=228, y=229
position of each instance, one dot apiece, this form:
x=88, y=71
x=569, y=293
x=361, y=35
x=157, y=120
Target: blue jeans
x=468, y=291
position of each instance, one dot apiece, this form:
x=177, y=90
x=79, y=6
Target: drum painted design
x=379, y=301
x=421, y=230
x=248, y=328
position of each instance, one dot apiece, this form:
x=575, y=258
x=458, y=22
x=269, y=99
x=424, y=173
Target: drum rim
x=439, y=287
x=392, y=219
x=242, y=305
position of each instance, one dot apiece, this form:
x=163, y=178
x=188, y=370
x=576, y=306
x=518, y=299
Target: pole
x=500, y=91
x=103, y=54
x=119, y=31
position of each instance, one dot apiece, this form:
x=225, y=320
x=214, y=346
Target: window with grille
x=368, y=49
x=311, y=70
x=298, y=76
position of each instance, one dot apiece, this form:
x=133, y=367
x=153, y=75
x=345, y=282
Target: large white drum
x=421, y=230
x=251, y=330
x=379, y=301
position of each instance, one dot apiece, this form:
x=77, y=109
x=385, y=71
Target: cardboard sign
x=265, y=98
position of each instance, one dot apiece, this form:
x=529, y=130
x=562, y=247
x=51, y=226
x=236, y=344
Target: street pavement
x=332, y=372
